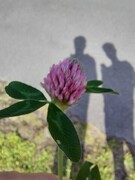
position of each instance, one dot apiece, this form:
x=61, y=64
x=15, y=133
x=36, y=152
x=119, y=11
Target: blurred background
x=35, y=34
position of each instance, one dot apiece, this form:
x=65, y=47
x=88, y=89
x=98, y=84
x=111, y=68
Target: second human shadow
x=118, y=110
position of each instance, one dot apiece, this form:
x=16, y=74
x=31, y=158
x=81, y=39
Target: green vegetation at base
x=22, y=155
x=17, y=154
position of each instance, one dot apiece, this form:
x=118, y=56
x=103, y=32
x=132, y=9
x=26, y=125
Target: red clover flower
x=65, y=82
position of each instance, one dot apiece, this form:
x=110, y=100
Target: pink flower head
x=65, y=82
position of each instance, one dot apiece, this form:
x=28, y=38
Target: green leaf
x=95, y=174
x=21, y=108
x=64, y=133
x=100, y=90
x=89, y=171
x=19, y=90
x=84, y=172
x=94, y=83
x=92, y=87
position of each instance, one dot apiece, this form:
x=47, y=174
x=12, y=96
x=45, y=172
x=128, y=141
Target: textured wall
x=34, y=34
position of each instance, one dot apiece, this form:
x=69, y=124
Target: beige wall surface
x=34, y=34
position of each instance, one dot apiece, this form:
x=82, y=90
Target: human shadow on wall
x=78, y=112
x=119, y=76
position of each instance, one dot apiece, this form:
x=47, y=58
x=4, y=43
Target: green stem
x=60, y=164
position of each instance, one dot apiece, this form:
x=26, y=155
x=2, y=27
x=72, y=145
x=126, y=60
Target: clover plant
x=65, y=83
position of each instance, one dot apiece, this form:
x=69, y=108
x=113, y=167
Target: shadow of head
x=110, y=50
x=79, y=44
